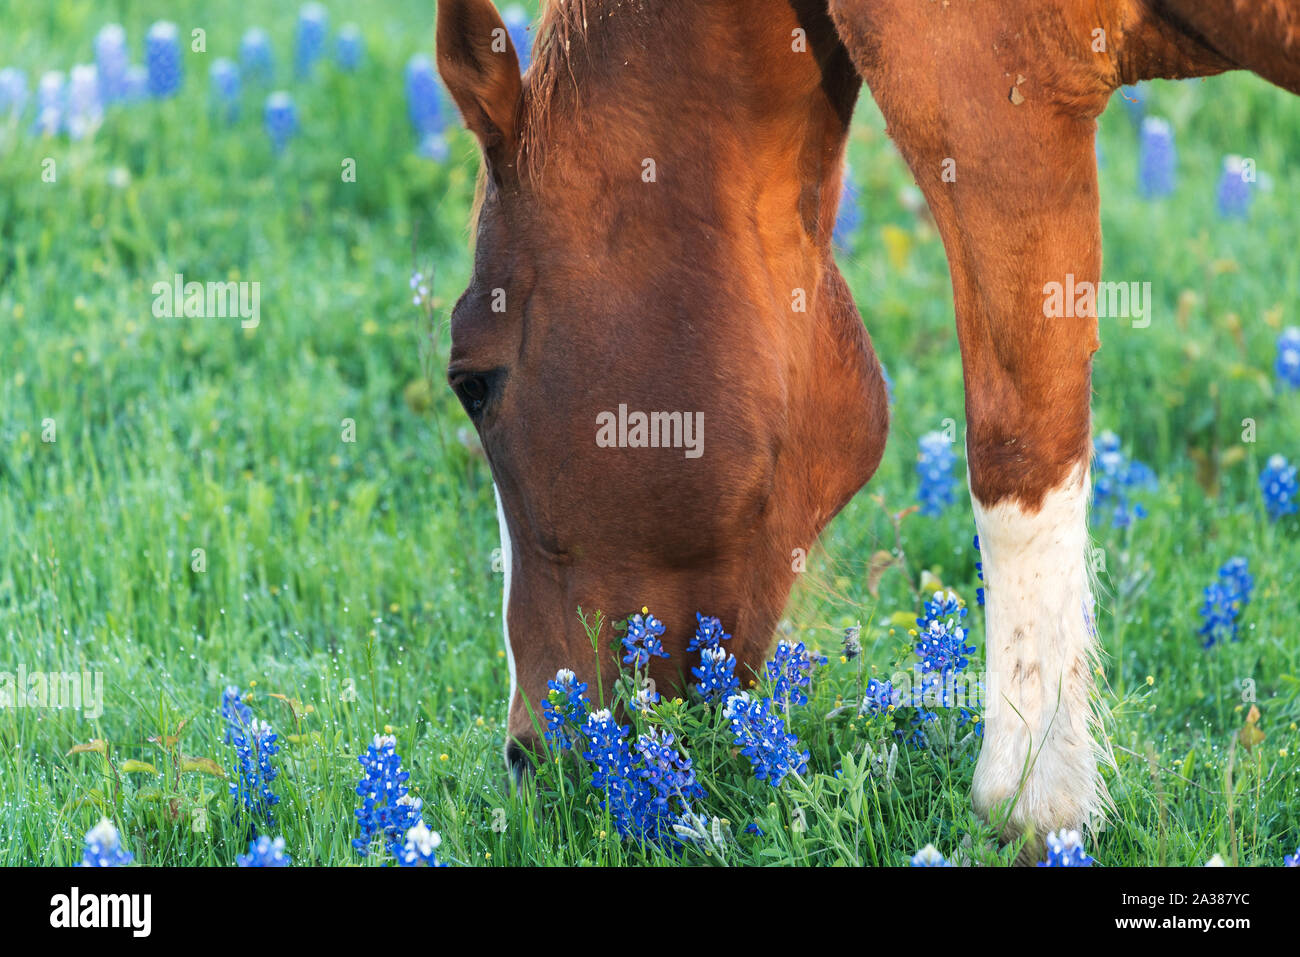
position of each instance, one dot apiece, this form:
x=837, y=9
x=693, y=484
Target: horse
x=653, y=231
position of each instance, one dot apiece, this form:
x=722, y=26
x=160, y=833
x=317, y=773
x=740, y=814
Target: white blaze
x=507, y=562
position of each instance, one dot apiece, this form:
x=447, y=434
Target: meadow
x=297, y=508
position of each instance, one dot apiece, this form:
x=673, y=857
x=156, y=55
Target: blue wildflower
x=1235, y=191
x=255, y=55
x=255, y=748
x=104, y=847
x=1157, y=158
x=309, y=44
x=419, y=848
x=708, y=634
x=387, y=810
x=265, y=852
x=112, y=58
x=1065, y=849
x=941, y=606
x=668, y=776
x=1291, y=860
x=238, y=715
x=224, y=76
x=934, y=464
x=791, y=670
x=849, y=215
x=643, y=639
x=349, y=47
x=136, y=84
x=423, y=99
x=13, y=93
x=879, y=697
x=1117, y=478
x=51, y=102
x=942, y=647
x=565, y=708
x=760, y=732
x=1277, y=483
x=979, y=571
x=162, y=58
x=929, y=856
x=516, y=21
x=85, y=109
x=716, y=675
x=1287, y=364
x=281, y=119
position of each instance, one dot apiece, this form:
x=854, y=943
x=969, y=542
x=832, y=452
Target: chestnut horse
x=654, y=234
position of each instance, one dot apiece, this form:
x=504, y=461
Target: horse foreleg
x=997, y=122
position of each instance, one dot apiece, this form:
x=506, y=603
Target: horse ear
x=481, y=69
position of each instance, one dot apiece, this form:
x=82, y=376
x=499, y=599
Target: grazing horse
x=653, y=234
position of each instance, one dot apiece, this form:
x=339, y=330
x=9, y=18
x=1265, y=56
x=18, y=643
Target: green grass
x=357, y=577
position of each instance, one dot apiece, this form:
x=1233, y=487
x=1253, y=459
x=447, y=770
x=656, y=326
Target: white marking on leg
x=1039, y=731
x=507, y=561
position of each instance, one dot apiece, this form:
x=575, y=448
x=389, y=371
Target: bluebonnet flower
x=387, y=810
x=642, y=786
x=760, y=732
x=224, y=76
x=136, y=85
x=979, y=571
x=85, y=109
x=309, y=43
x=1117, y=477
x=51, y=97
x=645, y=699
x=942, y=647
x=934, y=463
x=1291, y=860
x=516, y=21
x=929, y=856
x=255, y=55
x=1277, y=483
x=879, y=697
x=265, y=852
x=418, y=851
x=852, y=642
x=849, y=215
x=423, y=99
x=1157, y=158
x=1235, y=191
x=716, y=675
x=238, y=715
x=255, y=748
x=112, y=58
x=791, y=670
x=162, y=58
x=708, y=634
x=281, y=119
x=104, y=847
x=941, y=606
x=349, y=47
x=1236, y=578
x=565, y=708
x=668, y=776
x=1287, y=365
x=1065, y=849
x=433, y=146
x=13, y=93
x=643, y=639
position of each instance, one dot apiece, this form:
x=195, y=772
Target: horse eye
x=473, y=389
